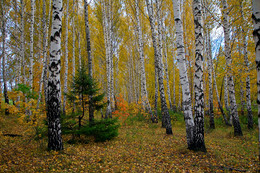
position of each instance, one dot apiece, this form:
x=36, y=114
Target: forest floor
x=140, y=147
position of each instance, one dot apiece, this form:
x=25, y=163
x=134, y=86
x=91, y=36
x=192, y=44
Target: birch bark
x=144, y=93
x=90, y=72
x=256, y=34
x=106, y=25
x=54, y=85
x=3, y=30
x=199, y=143
x=248, y=87
x=232, y=98
x=166, y=62
x=66, y=63
x=31, y=45
x=186, y=96
x=158, y=58
x=210, y=72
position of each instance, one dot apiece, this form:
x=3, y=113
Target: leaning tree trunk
x=256, y=34
x=248, y=93
x=66, y=63
x=199, y=144
x=144, y=94
x=158, y=60
x=232, y=98
x=183, y=75
x=90, y=73
x=54, y=85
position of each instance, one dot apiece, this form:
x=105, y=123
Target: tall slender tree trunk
x=158, y=35
x=156, y=89
x=31, y=45
x=174, y=84
x=106, y=29
x=186, y=97
x=78, y=34
x=226, y=98
x=66, y=63
x=166, y=63
x=210, y=71
x=54, y=85
x=3, y=29
x=242, y=102
x=199, y=143
x=90, y=73
x=158, y=57
x=248, y=87
x=232, y=98
x=217, y=94
x=144, y=94
x=256, y=34
x=44, y=51
x=21, y=59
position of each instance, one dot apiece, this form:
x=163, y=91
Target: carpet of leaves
x=140, y=147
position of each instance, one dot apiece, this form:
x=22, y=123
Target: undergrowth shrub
x=101, y=130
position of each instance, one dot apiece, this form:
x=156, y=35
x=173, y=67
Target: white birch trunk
x=44, y=51
x=144, y=93
x=256, y=34
x=66, y=63
x=3, y=30
x=226, y=98
x=199, y=143
x=105, y=18
x=54, y=85
x=31, y=45
x=183, y=74
x=210, y=74
x=218, y=98
x=78, y=34
x=166, y=63
x=73, y=38
x=166, y=120
x=248, y=87
x=232, y=98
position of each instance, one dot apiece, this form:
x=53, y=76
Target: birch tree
x=54, y=85
x=186, y=96
x=66, y=63
x=256, y=34
x=144, y=94
x=158, y=58
x=3, y=55
x=90, y=73
x=106, y=30
x=199, y=143
x=31, y=45
x=166, y=62
x=248, y=87
x=232, y=98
